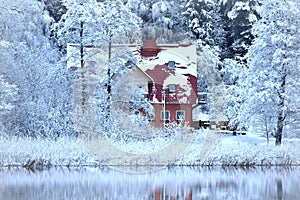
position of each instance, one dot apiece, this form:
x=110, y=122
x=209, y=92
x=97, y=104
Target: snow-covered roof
x=153, y=61
x=201, y=116
x=183, y=76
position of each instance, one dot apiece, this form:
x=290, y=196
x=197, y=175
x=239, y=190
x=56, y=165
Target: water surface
x=175, y=183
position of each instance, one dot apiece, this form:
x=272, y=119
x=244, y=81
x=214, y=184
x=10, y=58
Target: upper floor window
x=171, y=65
x=172, y=88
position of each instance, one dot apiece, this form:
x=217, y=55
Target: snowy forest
x=254, y=45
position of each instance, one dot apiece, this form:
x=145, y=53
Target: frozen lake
x=175, y=183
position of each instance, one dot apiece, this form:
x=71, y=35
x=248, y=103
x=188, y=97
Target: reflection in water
x=178, y=183
x=160, y=194
x=279, y=189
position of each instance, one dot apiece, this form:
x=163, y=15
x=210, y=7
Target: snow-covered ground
x=222, y=149
x=246, y=150
x=43, y=153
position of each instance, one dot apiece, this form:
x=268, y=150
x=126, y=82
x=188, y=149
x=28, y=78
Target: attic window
x=171, y=65
x=172, y=88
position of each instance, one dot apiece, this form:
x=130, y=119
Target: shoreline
x=231, y=151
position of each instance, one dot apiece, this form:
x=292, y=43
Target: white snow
x=4, y=44
x=241, y=150
x=252, y=18
x=61, y=152
x=200, y=116
x=225, y=149
x=186, y=56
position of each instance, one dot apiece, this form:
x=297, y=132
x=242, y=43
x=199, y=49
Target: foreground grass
x=43, y=153
x=228, y=151
x=248, y=150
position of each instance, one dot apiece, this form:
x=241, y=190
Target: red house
x=172, y=87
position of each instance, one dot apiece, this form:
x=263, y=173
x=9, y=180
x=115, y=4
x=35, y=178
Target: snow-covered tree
x=80, y=23
x=205, y=21
x=8, y=93
x=233, y=75
x=273, y=65
x=55, y=8
x=163, y=14
x=29, y=61
x=90, y=23
x=239, y=16
x=207, y=65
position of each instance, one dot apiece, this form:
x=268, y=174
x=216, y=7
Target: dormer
x=171, y=65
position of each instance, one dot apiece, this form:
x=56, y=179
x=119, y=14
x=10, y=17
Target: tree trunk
x=279, y=130
x=267, y=131
x=84, y=93
x=281, y=113
x=109, y=82
x=81, y=44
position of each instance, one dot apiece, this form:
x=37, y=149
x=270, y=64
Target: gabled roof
x=152, y=60
x=149, y=77
x=184, y=76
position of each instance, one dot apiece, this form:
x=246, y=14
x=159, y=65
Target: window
x=180, y=115
x=172, y=88
x=150, y=116
x=167, y=115
x=202, y=96
x=171, y=65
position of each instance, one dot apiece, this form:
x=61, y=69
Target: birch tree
x=273, y=64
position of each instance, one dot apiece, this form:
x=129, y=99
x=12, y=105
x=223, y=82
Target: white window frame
x=162, y=114
x=181, y=111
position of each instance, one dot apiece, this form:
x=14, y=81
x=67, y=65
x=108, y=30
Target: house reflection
x=165, y=194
